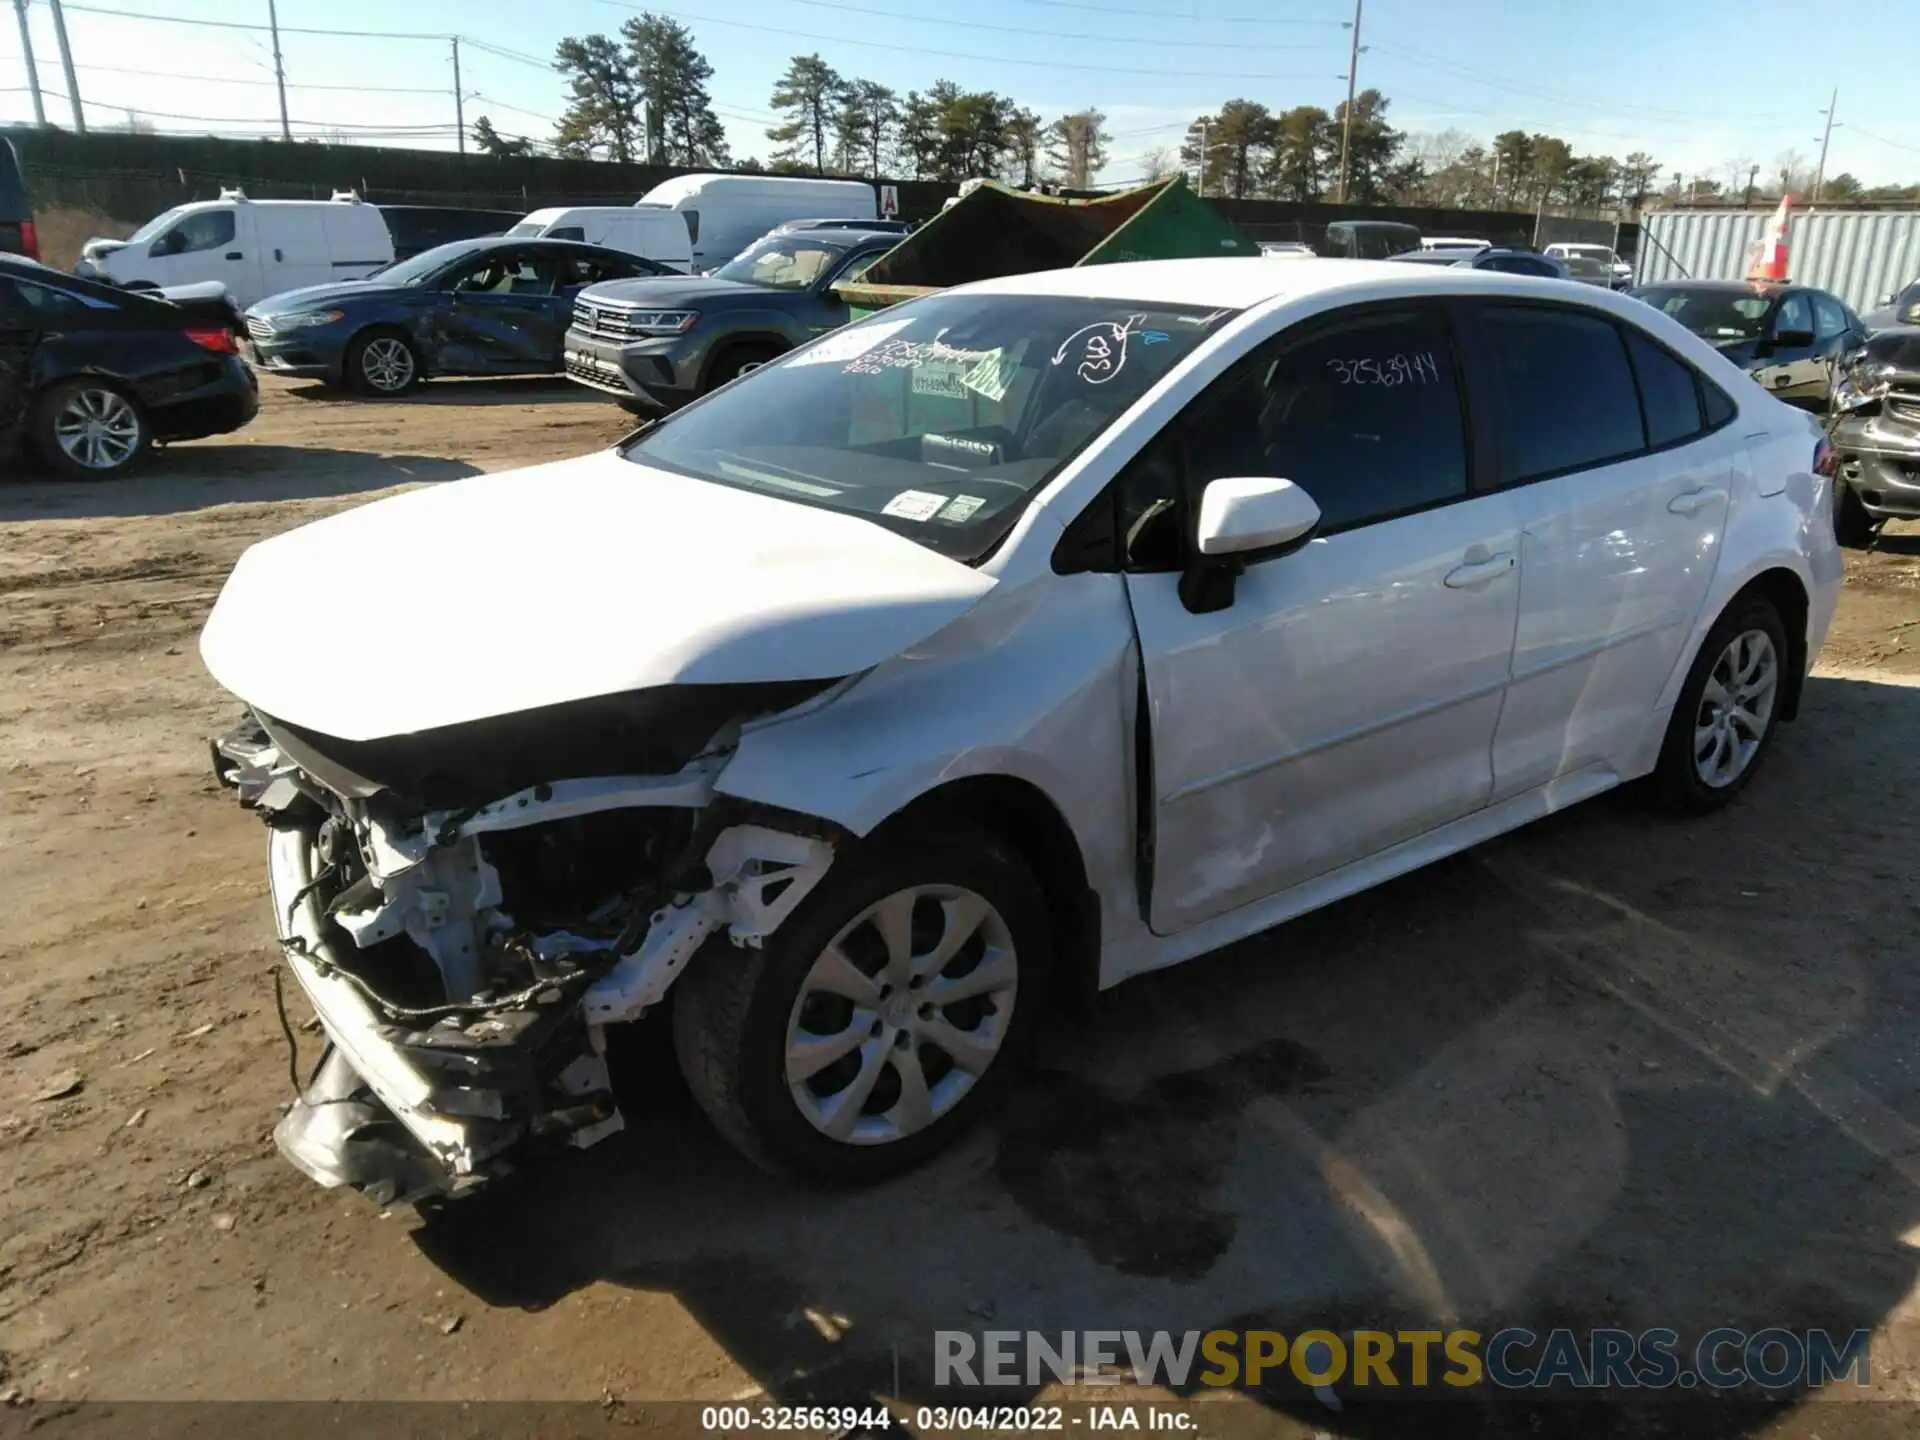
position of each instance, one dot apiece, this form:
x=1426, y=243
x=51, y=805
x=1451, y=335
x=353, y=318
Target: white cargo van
x=651, y=234
x=726, y=213
x=255, y=248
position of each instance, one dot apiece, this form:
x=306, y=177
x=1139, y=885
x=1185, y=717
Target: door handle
x=1476, y=573
x=1692, y=502
x=233, y=255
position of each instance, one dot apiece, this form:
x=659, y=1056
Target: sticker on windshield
x=944, y=378
x=992, y=377
x=960, y=508
x=1098, y=352
x=911, y=355
x=843, y=345
x=914, y=505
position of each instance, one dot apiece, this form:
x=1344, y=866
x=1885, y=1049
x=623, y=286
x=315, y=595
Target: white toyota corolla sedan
x=1012, y=642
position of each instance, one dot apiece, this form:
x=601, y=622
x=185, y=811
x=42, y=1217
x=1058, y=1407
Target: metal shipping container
x=1860, y=255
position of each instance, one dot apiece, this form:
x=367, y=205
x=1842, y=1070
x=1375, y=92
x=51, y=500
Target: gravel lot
x=1612, y=1070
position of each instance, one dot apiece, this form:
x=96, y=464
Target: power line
x=227, y=80
x=1185, y=15
x=262, y=29
x=961, y=54
x=1157, y=42
x=1913, y=149
x=1488, y=78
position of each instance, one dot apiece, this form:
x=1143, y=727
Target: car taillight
x=1826, y=459
x=220, y=341
x=29, y=240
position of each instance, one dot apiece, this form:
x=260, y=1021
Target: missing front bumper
x=411, y=1104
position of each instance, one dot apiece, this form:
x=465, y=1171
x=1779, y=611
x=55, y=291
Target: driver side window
x=205, y=230
x=1794, y=315
x=1363, y=413
x=508, y=274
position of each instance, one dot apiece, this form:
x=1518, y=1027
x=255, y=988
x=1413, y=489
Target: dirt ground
x=1608, y=1071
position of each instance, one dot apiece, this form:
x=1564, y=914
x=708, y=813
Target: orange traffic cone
x=1767, y=256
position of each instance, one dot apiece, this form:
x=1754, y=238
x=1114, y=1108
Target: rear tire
x=382, y=363
x=1853, y=527
x=806, y=1078
x=1728, y=710
x=90, y=429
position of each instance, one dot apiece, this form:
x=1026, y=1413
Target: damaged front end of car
x=465, y=932
x=1875, y=424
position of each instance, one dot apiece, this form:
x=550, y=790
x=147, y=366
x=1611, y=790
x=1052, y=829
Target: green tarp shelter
x=996, y=230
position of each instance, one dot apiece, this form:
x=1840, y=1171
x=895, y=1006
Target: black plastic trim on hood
x=639, y=732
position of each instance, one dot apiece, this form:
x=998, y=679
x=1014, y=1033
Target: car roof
x=1242, y=283
x=1728, y=287
x=845, y=234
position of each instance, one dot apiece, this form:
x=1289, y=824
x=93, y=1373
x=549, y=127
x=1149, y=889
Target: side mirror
x=1792, y=339
x=1886, y=299
x=1243, y=518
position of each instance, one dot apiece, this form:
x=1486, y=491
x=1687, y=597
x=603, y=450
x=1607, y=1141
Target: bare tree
x=1077, y=147
x=1159, y=164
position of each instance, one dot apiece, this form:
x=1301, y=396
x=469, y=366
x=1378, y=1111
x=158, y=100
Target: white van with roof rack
x=726, y=213
x=255, y=248
x=651, y=234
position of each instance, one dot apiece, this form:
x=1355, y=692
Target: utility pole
x=1820, y=175
x=1200, y=176
x=26, y=54
x=1746, y=201
x=279, y=70
x=66, y=67
x=1353, y=77
x=459, y=101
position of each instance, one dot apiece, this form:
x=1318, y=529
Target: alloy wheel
x=901, y=1014
x=1736, y=707
x=98, y=429
x=387, y=363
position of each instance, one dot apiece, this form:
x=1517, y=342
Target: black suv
x=657, y=344
x=17, y=235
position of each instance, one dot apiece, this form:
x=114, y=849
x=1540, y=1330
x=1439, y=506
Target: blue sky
x=1702, y=86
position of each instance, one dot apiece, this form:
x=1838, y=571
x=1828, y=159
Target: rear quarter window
x=1669, y=394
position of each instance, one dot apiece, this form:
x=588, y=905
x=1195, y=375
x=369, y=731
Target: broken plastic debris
x=60, y=1084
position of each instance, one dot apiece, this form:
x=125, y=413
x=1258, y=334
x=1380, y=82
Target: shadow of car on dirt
x=187, y=477
x=1610, y=1071
x=463, y=390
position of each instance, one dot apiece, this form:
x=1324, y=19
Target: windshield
x=528, y=227
x=1716, y=315
x=937, y=420
x=1906, y=305
x=418, y=269
x=154, y=226
x=783, y=262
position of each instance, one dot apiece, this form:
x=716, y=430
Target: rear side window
x=1570, y=398
x=1364, y=416
x=1667, y=392
x=1718, y=405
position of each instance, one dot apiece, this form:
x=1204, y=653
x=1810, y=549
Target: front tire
x=1728, y=710
x=884, y=1018
x=89, y=430
x=383, y=364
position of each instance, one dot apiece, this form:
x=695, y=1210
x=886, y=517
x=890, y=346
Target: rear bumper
x=217, y=409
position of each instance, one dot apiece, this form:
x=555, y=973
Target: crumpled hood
x=586, y=577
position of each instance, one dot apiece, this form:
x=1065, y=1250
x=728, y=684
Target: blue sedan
x=494, y=306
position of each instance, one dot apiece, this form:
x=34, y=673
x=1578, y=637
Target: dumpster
x=995, y=230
